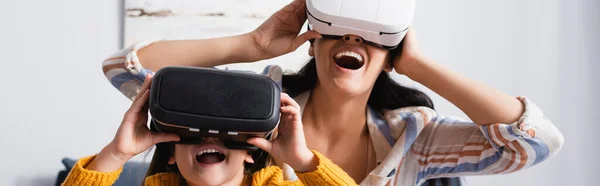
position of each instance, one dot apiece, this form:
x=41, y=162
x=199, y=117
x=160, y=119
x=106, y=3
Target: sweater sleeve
x=83, y=177
x=327, y=173
x=163, y=179
x=450, y=147
x=125, y=72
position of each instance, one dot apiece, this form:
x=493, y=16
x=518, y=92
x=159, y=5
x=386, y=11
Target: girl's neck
x=335, y=115
x=239, y=180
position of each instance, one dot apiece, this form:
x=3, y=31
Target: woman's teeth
x=349, y=54
x=348, y=60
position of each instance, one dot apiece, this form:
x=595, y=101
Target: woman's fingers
x=261, y=143
x=160, y=137
x=300, y=10
x=302, y=38
x=411, y=38
x=295, y=5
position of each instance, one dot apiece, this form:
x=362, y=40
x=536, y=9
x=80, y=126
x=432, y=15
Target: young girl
x=379, y=132
x=208, y=163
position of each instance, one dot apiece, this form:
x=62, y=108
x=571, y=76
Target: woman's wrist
x=411, y=66
x=242, y=48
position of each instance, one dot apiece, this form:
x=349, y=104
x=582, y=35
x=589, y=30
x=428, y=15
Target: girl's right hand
x=278, y=35
x=133, y=136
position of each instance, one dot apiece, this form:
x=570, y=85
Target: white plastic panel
x=396, y=12
x=331, y=7
x=360, y=9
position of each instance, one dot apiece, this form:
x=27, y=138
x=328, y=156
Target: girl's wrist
x=112, y=151
x=108, y=160
x=307, y=162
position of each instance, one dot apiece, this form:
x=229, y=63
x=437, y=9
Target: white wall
x=55, y=101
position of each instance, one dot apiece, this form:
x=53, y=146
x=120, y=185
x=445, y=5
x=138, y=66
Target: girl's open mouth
x=210, y=156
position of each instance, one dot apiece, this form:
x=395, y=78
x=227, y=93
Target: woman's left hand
x=289, y=145
x=411, y=53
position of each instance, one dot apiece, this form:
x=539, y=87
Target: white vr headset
x=382, y=23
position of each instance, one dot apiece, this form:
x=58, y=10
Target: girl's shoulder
x=163, y=179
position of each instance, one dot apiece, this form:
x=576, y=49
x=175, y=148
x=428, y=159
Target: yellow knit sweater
x=327, y=173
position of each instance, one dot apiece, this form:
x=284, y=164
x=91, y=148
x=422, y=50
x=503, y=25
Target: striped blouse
x=411, y=144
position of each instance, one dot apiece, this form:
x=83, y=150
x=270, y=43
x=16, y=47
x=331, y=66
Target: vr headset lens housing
x=199, y=102
x=381, y=23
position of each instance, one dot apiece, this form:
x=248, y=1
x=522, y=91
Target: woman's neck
x=334, y=114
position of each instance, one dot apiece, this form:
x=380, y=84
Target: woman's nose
x=354, y=39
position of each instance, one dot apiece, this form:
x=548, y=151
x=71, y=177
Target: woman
x=377, y=131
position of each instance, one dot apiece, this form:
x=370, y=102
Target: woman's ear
x=249, y=159
x=311, y=50
x=388, y=67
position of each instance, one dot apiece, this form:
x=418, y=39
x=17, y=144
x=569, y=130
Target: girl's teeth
x=208, y=151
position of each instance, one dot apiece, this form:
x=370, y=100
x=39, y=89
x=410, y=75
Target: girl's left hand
x=411, y=53
x=289, y=145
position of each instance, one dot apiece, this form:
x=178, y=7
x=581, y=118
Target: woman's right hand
x=133, y=136
x=278, y=35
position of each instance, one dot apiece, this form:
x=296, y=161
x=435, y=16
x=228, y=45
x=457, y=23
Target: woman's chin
x=347, y=87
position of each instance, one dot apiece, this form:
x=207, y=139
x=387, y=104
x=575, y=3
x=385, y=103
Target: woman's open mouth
x=210, y=156
x=349, y=60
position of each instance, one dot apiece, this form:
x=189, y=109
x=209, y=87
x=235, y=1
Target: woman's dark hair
x=164, y=151
x=386, y=94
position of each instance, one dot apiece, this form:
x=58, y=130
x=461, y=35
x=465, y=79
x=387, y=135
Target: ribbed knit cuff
x=327, y=173
x=163, y=179
x=267, y=176
x=83, y=177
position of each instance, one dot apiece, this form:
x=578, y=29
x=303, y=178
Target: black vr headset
x=198, y=102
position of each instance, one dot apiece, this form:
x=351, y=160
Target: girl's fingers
x=161, y=137
x=138, y=104
x=145, y=86
x=261, y=143
x=289, y=110
x=287, y=100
